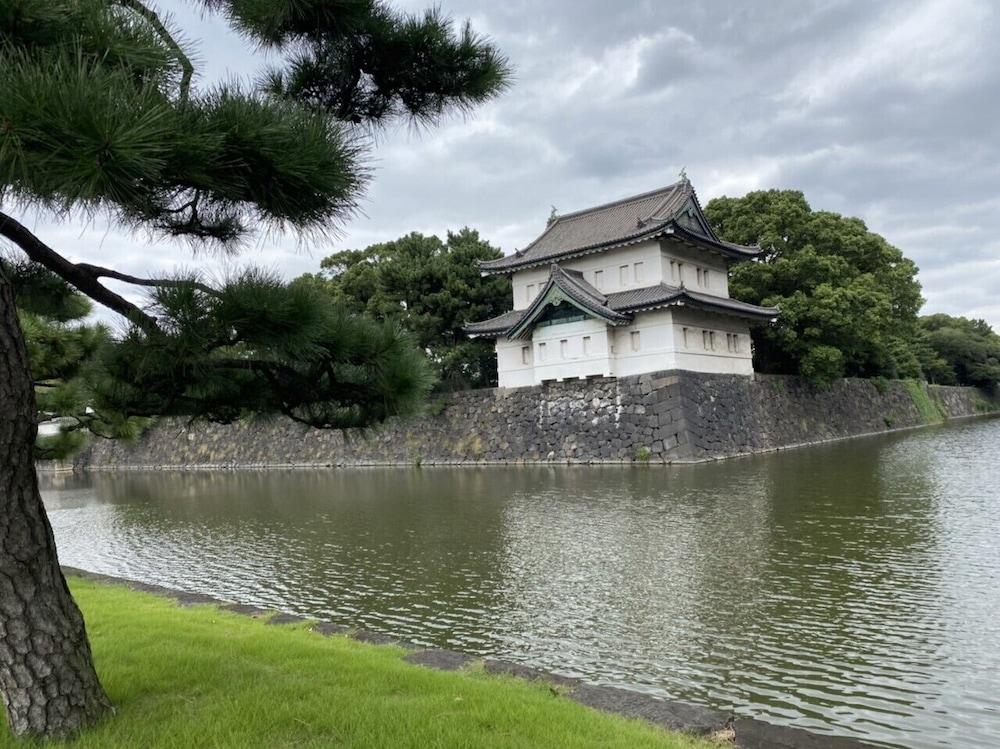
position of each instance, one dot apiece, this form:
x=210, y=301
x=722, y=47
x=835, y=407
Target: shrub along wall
x=661, y=417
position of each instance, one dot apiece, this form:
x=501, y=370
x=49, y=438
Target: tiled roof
x=614, y=224
x=618, y=306
x=495, y=325
x=573, y=285
x=712, y=302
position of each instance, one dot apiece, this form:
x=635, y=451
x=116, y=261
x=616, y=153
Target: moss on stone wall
x=928, y=408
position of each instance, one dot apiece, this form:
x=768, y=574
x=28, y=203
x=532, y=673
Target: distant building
x=637, y=285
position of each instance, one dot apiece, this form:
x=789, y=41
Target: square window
x=623, y=273
x=684, y=335
x=586, y=345
x=541, y=352
x=704, y=278
x=680, y=273
x=530, y=292
x=704, y=339
x=525, y=354
x=673, y=270
x=637, y=269
x=699, y=277
x=599, y=279
x=634, y=336
x=711, y=340
x=736, y=343
x=564, y=348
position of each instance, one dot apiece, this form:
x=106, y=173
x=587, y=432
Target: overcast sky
x=883, y=110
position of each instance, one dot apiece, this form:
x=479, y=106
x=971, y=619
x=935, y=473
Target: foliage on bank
x=432, y=288
x=849, y=299
x=966, y=352
x=205, y=677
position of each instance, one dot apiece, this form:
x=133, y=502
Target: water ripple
x=848, y=589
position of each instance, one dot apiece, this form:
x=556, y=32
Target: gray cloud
x=883, y=110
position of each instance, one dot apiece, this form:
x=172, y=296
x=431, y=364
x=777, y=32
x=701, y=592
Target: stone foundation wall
x=661, y=417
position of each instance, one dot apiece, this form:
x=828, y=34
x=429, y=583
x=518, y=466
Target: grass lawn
x=201, y=677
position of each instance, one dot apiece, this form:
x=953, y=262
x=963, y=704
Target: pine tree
x=99, y=116
x=64, y=352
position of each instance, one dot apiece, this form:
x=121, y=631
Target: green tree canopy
x=848, y=298
x=100, y=116
x=432, y=288
x=965, y=352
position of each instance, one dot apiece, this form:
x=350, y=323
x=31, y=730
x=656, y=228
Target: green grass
x=929, y=411
x=201, y=677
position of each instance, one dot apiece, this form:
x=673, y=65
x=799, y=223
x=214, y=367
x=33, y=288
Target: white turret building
x=637, y=285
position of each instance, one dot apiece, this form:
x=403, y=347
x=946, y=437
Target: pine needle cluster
x=101, y=115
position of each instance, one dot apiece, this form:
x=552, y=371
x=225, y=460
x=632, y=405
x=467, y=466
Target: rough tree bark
x=47, y=678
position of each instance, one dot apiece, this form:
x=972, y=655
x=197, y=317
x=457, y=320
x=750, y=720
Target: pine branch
x=171, y=283
x=85, y=277
x=168, y=39
x=84, y=280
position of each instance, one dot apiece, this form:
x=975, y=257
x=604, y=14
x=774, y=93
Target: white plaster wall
x=536, y=278
x=567, y=361
x=692, y=260
x=611, y=262
x=511, y=370
x=697, y=358
x=656, y=344
x=661, y=345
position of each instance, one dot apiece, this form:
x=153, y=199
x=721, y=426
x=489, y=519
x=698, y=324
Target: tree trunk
x=47, y=677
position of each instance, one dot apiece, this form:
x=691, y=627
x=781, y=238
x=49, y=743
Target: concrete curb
x=744, y=733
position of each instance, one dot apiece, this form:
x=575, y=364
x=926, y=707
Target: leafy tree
x=962, y=351
x=848, y=299
x=432, y=288
x=98, y=115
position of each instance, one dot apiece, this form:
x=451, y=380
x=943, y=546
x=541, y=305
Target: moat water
x=851, y=589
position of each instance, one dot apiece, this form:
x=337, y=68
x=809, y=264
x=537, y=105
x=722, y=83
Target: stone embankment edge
x=667, y=418
x=673, y=715
x=56, y=466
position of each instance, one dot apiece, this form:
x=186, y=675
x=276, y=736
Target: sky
x=883, y=110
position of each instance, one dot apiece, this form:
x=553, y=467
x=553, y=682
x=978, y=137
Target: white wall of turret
x=633, y=267
x=671, y=338
x=668, y=338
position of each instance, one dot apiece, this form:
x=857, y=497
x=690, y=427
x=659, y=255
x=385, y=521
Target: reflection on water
x=849, y=589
